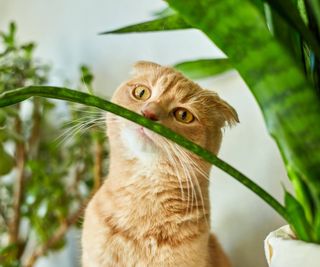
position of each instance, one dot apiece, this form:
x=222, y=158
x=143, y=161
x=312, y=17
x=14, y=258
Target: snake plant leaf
x=317, y=227
x=18, y=95
x=203, y=68
x=173, y=22
x=315, y=7
x=260, y=5
x=303, y=195
x=288, y=101
x=300, y=224
x=167, y=11
x=302, y=10
x=291, y=14
x=287, y=35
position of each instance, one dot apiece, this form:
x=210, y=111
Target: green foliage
x=87, y=77
x=289, y=11
x=6, y=160
x=298, y=219
x=16, y=64
x=167, y=11
x=171, y=22
x=57, y=173
x=315, y=7
x=275, y=46
x=202, y=68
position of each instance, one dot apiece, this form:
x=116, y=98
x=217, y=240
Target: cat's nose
x=149, y=114
x=152, y=111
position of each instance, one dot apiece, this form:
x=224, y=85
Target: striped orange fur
x=153, y=209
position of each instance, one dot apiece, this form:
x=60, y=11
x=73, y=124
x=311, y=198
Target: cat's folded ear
x=144, y=66
x=228, y=113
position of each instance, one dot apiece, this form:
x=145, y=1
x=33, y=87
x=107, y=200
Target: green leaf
x=260, y=5
x=315, y=5
x=3, y=118
x=8, y=256
x=313, y=63
x=28, y=48
x=298, y=219
x=18, y=95
x=203, y=68
x=303, y=194
x=173, y=22
x=317, y=227
x=290, y=13
x=167, y=11
x=302, y=10
x=87, y=77
x=287, y=35
x=7, y=162
x=9, y=39
x=289, y=103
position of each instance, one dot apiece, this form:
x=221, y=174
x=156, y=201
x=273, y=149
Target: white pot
x=282, y=249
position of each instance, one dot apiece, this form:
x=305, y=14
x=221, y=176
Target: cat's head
x=164, y=95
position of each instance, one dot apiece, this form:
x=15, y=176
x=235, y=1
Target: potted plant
x=282, y=248
x=275, y=47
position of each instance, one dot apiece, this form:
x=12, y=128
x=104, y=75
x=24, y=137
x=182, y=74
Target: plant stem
x=15, y=96
x=57, y=236
x=19, y=184
x=4, y=218
x=36, y=130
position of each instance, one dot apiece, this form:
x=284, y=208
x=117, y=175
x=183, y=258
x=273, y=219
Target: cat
x=153, y=209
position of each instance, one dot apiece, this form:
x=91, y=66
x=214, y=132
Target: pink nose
x=149, y=114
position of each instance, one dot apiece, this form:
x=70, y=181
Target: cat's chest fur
x=146, y=217
x=150, y=204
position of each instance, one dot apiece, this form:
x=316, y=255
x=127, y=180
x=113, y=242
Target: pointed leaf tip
x=173, y=22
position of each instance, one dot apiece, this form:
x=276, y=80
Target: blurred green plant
x=275, y=47
x=44, y=182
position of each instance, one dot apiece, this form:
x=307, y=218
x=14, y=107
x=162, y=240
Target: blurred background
x=66, y=34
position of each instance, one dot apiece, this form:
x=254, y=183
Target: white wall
x=66, y=33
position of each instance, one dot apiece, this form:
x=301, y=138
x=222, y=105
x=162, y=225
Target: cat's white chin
x=139, y=143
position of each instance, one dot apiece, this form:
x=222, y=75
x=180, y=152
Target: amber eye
x=141, y=92
x=183, y=115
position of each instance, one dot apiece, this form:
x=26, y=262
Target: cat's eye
x=141, y=92
x=183, y=115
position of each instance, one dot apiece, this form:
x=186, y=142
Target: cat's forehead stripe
x=172, y=85
x=166, y=83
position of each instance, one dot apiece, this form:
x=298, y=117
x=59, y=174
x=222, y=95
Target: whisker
x=171, y=158
x=62, y=138
x=191, y=173
x=189, y=178
x=201, y=172
x=190, y=160
x=189, y=188
x=80, y=127
x=82, y=119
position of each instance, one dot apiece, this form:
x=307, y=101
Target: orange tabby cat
x=153, y=210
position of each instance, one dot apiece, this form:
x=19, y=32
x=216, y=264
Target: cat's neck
x=153, y=187
x=156, y=173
